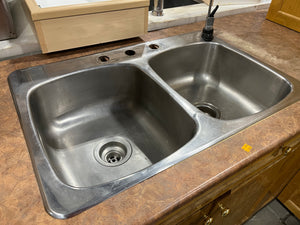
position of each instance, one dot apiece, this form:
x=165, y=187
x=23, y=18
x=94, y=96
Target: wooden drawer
x=72, y=26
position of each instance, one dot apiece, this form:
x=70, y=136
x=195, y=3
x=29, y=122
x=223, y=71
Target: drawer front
x=83, y=30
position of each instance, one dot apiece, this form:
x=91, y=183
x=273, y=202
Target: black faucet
x=208, y=30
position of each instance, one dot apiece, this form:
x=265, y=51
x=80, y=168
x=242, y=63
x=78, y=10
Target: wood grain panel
x=286, y=13
x=291, y=7
x=77, y=31
x=38, y=13
x=290, y=196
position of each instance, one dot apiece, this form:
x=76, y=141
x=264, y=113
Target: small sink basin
x=219, y=81
x=99, y=124
x=112, y=121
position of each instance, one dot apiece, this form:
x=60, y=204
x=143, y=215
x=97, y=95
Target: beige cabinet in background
x=72, y=26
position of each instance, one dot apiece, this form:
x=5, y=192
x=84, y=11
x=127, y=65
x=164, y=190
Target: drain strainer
x=113, y=151
x=209, y=109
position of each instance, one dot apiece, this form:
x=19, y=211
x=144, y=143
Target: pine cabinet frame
x=286, y=13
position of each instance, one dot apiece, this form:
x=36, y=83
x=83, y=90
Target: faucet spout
x=208, y=30
x=158, y=8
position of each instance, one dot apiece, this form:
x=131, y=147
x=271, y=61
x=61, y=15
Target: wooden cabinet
x=290, y=196
x=209, y=214
x=263, y=187
x=72, y=26
x=236, y=199
x=286, y=13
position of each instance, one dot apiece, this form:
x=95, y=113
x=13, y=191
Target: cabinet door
x=286, y=13
x=250, y=196
x=290, y=196
x=244, y=193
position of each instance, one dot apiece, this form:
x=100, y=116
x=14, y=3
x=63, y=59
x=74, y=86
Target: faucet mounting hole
x=130, y=52
x=104, y=58
x=154, y=46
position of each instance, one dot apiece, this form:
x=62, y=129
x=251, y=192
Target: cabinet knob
x=209, y=220
x=224, y=211
x=286, y=150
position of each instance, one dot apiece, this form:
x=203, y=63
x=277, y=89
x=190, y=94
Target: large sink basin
x=111, y=121
x=99, y=124
x=220, y=81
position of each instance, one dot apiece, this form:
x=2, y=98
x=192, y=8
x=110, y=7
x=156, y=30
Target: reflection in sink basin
x=219, y=81
x=99, y=124
x=112, y=121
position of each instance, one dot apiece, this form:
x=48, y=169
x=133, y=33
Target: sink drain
x=114, y=156
x=209, y=109
x=113, y=151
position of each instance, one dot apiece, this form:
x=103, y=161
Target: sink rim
x=62, y=201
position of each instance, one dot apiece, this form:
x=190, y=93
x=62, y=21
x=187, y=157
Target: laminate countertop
x=145, y=203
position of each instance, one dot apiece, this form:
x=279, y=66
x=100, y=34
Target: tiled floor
x=273, y=214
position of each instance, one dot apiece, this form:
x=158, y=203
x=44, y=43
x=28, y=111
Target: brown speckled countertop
x=20, y=201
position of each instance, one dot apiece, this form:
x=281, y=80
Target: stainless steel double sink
x=99, y=124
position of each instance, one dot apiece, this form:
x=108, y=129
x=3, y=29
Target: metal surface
x=158, y=7
x=224, y=211
x=210, y=16
x=78, y=112
x=211, y=73
x=73, y=114
x=113, y=151
x=209, y=220
x=6, y=23
x=208, y=31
